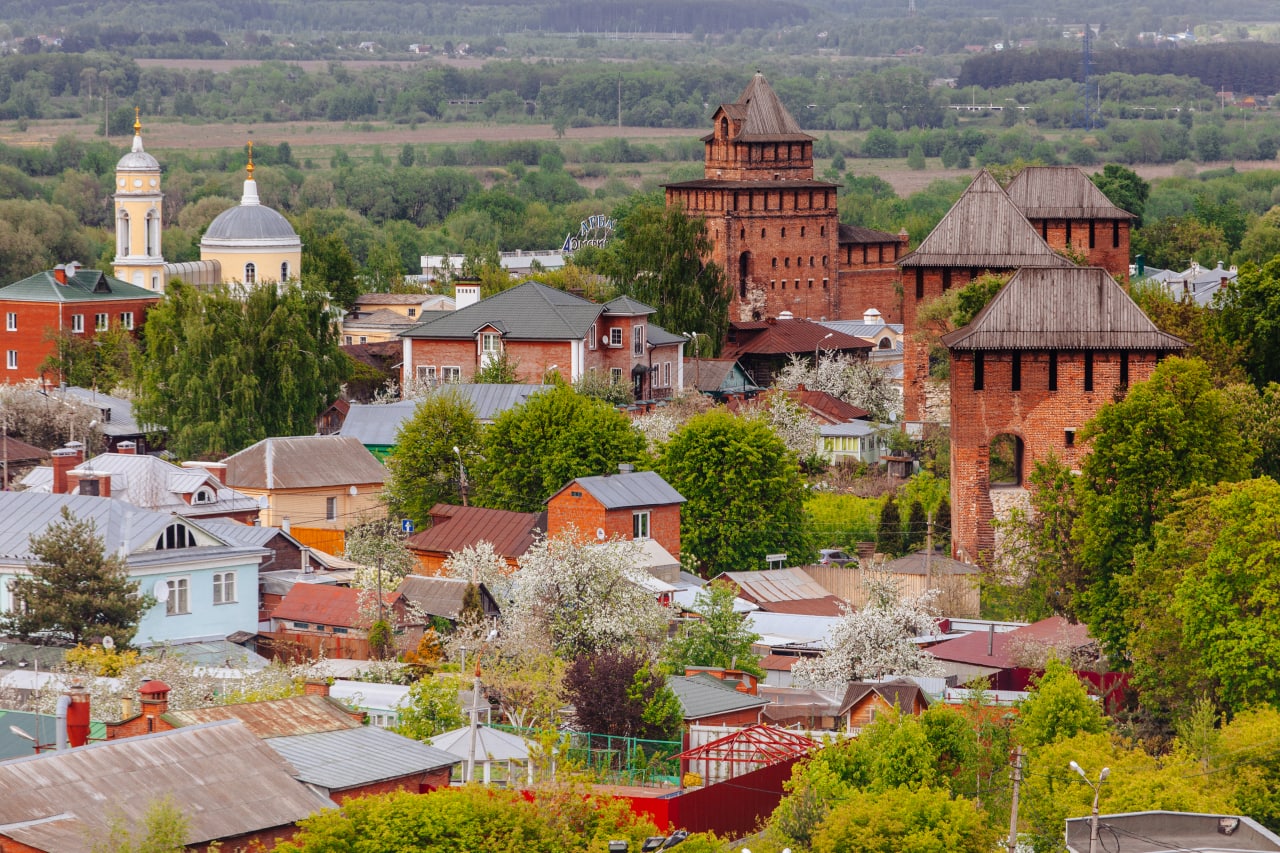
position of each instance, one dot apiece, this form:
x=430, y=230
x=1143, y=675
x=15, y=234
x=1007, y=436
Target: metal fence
x=616, y=760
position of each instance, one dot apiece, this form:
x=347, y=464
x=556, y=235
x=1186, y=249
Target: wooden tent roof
x=984, y=229
x=1075, y=308
x=1061, y=192
x=763, y=117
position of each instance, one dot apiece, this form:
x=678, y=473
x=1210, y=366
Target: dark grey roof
x=117, y=413
x=1076, y=308
x=530, y=311
x=305, y=461
x=718, y=375
x=346, y=758
x=626, y=306
x=250, y=222
x=984, y=229
x=1061, y=192
x=636, y=488
x=705, y=695
x=658, y=336
x=859, y=234
x=441, y=596
x=724, y=184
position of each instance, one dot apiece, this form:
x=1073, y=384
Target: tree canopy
x=423, y=467
x=718, y=636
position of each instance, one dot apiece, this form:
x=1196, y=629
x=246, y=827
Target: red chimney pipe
x=60, y=274
x=78, y=716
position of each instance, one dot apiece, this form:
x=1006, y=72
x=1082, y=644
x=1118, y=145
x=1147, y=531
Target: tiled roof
x=393, y=299
x=1061, y=192
x=706, y=696
x=1075, y=308
x=382, y=318
x=632, y=489
x=783, y=336
x=658, y=336
x=528, y=311
x=321, y=604
x=222, y=778
x=858, y=234
x=510, y=533
x=337, y=760
x=306, y=461
x=84, y=286
x=899, y=693
x=295, y=715
x=984, y=229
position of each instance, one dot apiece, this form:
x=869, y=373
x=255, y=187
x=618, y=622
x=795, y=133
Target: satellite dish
x=161, y=590
x=600, y=533
x=108, y=643
x=604, y=340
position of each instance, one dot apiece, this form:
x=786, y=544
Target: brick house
x=765, y=347
x=541, y=329
x=708, y=700
x=631, y=504
x=983, y=232
x=774, y=229
x=1069, y=210
x=456, y=527
x=1034, y=365
x=66, y=299
x=863, y=702
x=326, y=610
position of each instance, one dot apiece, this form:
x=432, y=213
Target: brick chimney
x=64, y=459
x=315, y=687
x=155, y=703
x=60, y=274
x=128, y=448
x=94, y=483
x=217, y=469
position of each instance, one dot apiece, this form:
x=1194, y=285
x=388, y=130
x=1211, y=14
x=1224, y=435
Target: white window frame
x=178, y=600
x=11, y=321
x=637, y=340
x=224, y=588
x=640, y=522
x=126, y=320
x=426, y=374
x=450, y=373
x=490, y=347
x=77, y=323
x=591, y=337
x=12, y=360
x=348, y=340
x=615, y=375
x=101, y=322
x=330, y=509
x=615, y=337
x=666, y=374
x=364, y=339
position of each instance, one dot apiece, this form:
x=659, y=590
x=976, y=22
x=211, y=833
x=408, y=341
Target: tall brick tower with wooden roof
x=774, y=228
x=1069, y=211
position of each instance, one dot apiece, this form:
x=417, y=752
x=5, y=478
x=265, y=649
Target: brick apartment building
x=66, y=299
x=1037, y=363
x=775, y=230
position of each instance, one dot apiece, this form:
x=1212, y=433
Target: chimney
x=785, y=315
x=155, y=703
x=60, y=274
x=626, y=468
x=217, y=469
x=77, y=715
x=315, y=687
x=93, y=483
x=64, y=459
x=128, y=448
x=465, y=293
x=991, y=639
x=126, y=707
x=872, y=317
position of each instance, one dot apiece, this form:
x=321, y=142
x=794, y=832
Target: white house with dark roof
x=205, y=586
x=542, y=329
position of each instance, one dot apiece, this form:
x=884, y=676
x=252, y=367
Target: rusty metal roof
x=295, y=715
x=458, y=527
x=441, y=596
x=1076, y=308
x=788, y=335
x=302, y=462
x=998, y=649
x=984, y=230
x=322, y=604
x=223, y=779
x=786, y=591
x=1061, y=192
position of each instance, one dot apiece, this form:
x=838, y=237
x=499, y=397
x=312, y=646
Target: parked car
x=834, y=556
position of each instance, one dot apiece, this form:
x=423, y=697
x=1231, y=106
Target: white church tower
x=138, y=204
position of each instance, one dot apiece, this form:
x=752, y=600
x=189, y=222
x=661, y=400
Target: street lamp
x=1097, y=791
x=817, y=346
x=462, y=474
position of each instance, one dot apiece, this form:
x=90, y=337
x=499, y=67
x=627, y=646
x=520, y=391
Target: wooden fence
x=297, y=647
x=959, y=592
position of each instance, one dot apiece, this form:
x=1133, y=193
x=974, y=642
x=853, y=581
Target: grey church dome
x=250, y=222
x=138, y=161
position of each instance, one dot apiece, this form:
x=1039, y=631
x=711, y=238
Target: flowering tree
x=789, y=421
x=876, y=641
x=480, y=564
x=855, y=380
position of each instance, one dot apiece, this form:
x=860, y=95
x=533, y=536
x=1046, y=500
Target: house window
x=363, y=339
x=1088, y=371
x=250, y=273
x=203, y=496
x=339, y=630
x=1115, y=234
x=640, y=525
x=126, y=320
x=451, y=374
x=347, y=340
x=1053, y=371
x=177, y=602
x=1069, y=437
x=12, y=360
x=11, y=321
x=1124, y=368
x=413, y=312
x=284, y=273
x=426, y=374
x=591, y=337
x=919, y=283
x=224, y=587
x=330, y=509
x=100, y=322
x=615, y=337
x=16, y=603
x=89, y=487
x=302, y=625
x=666, y=374
x=977, y=371
x=77, y=323
x=490, y=346
x=175, y=536
x=1092, y=235
x=637, y=340
x=615, y=375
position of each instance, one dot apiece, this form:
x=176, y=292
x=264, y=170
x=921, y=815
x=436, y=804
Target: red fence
x=733, y=808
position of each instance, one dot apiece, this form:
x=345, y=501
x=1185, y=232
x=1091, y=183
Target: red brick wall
x=413, y=783
x=1035, y=414
x=532, y=358
x=1058, y=233
x=587, y=514
x=863, y=289
x=37, y=319
x=745, y=717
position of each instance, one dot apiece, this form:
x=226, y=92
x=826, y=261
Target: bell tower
x=138, y=198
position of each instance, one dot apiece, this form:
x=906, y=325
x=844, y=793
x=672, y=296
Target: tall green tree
x=1057, y=708
x=619, y=692
x=1124, y=188
x=328, y=264
x=744, y=492
x=531, y=451
x=661, y=260
x=718, y=636
x=75, y=590
x=1250, y=316
x=424, y=465
x=221, y=370
x=1172, y=431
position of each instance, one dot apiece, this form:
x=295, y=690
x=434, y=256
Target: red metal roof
x=458, y=527
x=972, y=648
x=792, y=335
x=323, y=604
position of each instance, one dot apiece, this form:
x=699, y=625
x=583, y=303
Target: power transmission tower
x=1086, y=115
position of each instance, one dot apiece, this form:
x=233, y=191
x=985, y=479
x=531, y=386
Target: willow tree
x=222, y=369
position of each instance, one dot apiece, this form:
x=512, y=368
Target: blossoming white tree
x=876, y=641
x=789, y=421
x=854, y=380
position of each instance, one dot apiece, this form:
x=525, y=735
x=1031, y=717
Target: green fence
x=617, y=760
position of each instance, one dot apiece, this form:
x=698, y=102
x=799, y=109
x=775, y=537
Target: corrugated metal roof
x=826, y=406
x=793, y=335
x=939, y=564
x=117, y=413
x=84, y=286
x=973, y=648
x=632, y=489
x=324, y=605
x=380, y=423
x=1076, y=308
x=528, y=311
x=510, y=533
x=220, y=777
x=774, y=585
x=441, y=596
x=705, y=696
x=294, y=715
x=13, y=450
x=301, y=462
x=1061, y=192
x=984, y=229
x=336, y=760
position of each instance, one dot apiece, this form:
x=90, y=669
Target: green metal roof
x=84, y=286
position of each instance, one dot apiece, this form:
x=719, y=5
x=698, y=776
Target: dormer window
x=203, y=496
x=176, y=535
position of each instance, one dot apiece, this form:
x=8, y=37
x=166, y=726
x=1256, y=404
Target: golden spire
x=251, y=159
x=137, y=122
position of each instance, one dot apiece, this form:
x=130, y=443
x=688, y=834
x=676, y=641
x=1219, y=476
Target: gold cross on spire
x=137, y=121
x=251, y=159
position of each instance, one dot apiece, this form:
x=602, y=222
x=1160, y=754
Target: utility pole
x=619, y=102
x=928, y=551
x=475, y=715
x=1016, y=775
x=462, y=475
